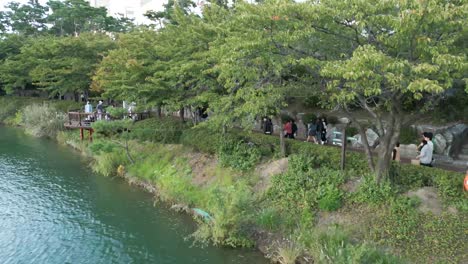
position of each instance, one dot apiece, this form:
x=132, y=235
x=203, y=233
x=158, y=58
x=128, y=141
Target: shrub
x=164, y=130
x=116, y=112
x=238, y=154
x=42, y=120
x=201, y=139
x=372, y=193
x=113, y=128
x=330, y=197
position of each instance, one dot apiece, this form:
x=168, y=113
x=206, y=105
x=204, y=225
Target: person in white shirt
x=425, y=157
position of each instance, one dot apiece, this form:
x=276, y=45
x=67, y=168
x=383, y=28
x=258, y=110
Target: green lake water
x=54, y=209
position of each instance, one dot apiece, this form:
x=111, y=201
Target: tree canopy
x=243, y=60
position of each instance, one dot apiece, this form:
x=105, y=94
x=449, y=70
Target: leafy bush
x=330, y=197
x=116, y=112
x=201, y=139
x=409, y=135
x=109, y=129
x=42, y=120
x=238, y=154
x=302, y=190
x=328, y=157
x=164, y=130
x=372, y=193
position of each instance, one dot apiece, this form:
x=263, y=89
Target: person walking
x=312, y=132
x=288, y=129
x=323, y=130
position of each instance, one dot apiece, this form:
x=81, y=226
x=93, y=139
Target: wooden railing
x=83, y=119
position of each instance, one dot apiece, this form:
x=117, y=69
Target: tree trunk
x=282, y=141
x=182, y=114
x=159, y=110
x=387, y=143
x=367, y=148
x=76, y=96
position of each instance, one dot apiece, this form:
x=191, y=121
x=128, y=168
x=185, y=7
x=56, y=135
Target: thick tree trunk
x=387, y=143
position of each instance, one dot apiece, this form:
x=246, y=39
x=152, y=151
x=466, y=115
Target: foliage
x=70, y=17
x=238, y=154
x=42, y=120
x=309, y=118
x=116, y=112
x=201, y=139
x=106, y=163
x=302, y=190
x=113, y=128
x=124, y=72
x=230, y=207
x=409, y=135
x=371, y=192
x=288, y=253
x=334, y=246
x=421, y=237
x=330, y=197
x=448, y=184
x=164, y=130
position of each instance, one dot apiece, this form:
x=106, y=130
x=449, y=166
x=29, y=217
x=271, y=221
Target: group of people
x=316, y=129
x=99, y=109
x=425, y=149
x=290, y=129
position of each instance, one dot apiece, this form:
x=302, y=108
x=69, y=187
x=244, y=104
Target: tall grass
x=42, y=120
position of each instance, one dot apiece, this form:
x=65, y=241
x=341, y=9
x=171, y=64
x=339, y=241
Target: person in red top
x=288, y=129
x=465, y=181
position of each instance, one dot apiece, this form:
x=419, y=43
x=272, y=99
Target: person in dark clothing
x=312, y=132
x=267, y=126
x=323, y=130
x=294, y=128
